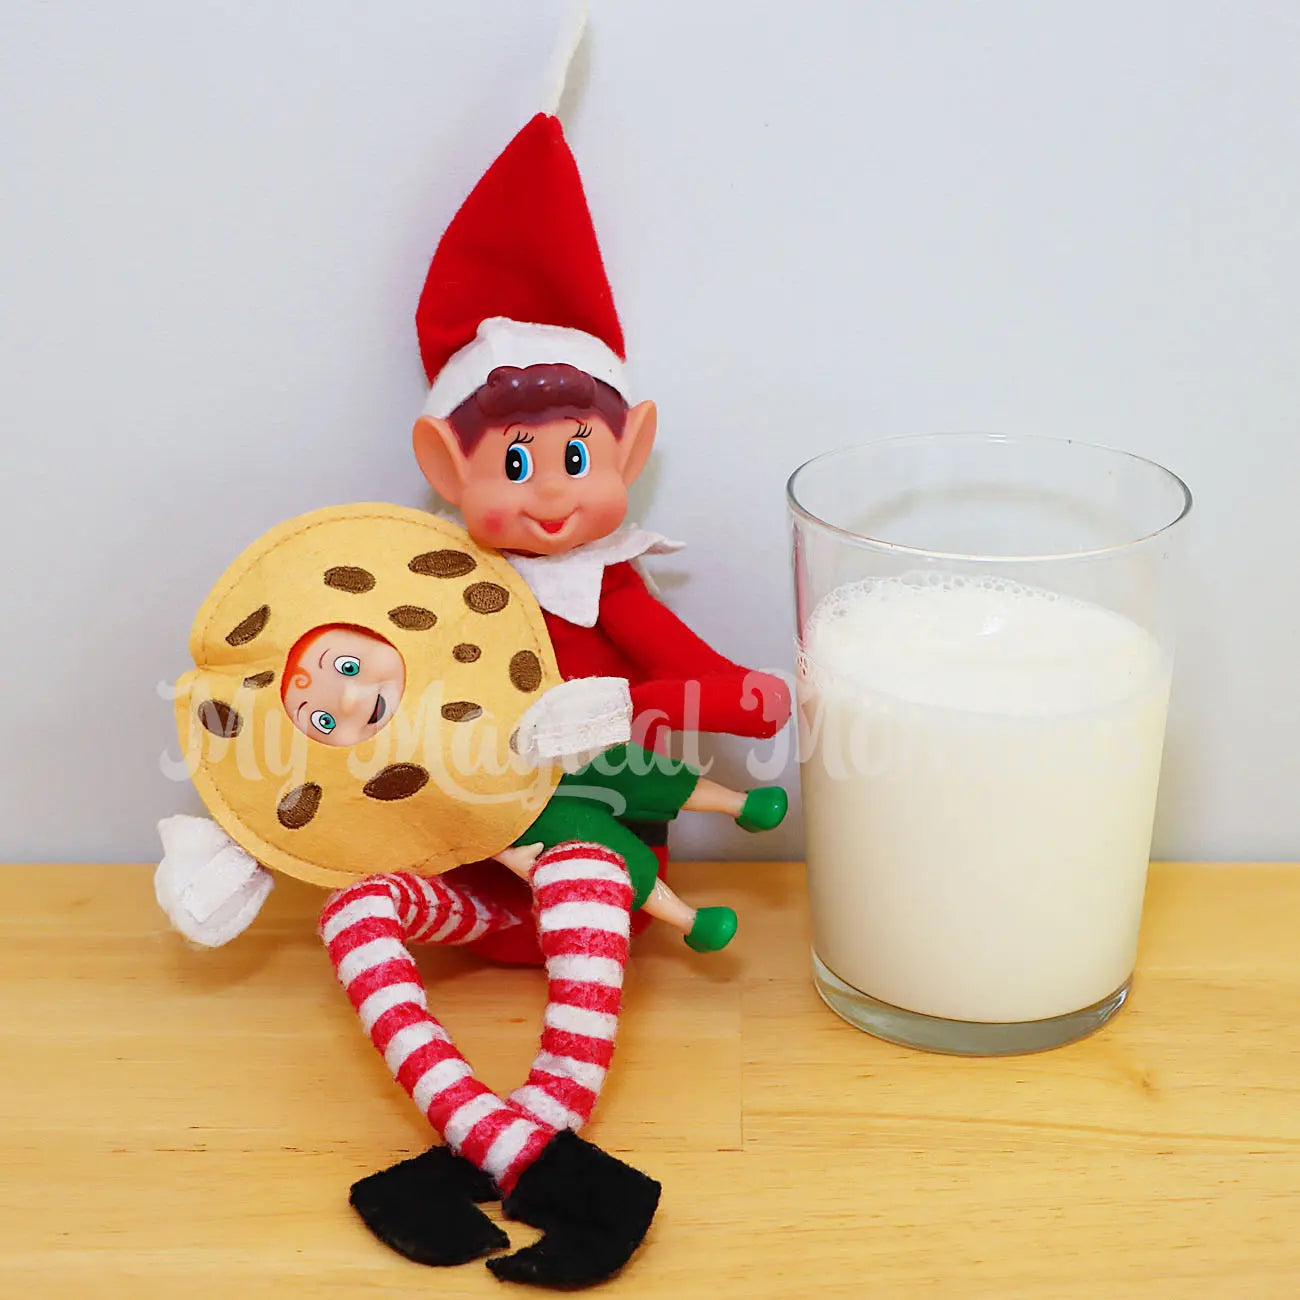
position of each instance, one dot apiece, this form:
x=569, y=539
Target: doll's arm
x=651, y=635
x=689, y=685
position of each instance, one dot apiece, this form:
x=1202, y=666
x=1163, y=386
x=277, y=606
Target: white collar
x=568, y=585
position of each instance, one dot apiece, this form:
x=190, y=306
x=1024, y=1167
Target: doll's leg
x=654, y=835
x=760, y=809
x=593, y=1210
x=709, y=796
x=584, y=904
x=573, y=813
x=705, y=929
x=584, y=897
x=365, y=928
x=636, y=784
x=665, y=905
x=651, y=787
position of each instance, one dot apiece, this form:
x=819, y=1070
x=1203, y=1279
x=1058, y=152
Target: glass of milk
x=985, y=646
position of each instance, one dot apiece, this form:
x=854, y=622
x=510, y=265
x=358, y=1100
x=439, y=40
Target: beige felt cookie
x=439, y=784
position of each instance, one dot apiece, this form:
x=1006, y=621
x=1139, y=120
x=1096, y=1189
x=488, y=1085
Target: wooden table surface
x=183, y=1123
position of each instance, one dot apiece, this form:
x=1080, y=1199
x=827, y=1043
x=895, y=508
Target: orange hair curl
x=295, y=674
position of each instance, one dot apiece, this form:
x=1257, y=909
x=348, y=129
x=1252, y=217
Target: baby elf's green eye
x=323, y=722
x=348, y=665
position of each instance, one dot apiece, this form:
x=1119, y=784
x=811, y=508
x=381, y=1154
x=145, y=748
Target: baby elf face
x=543, y=488
x=343, y=684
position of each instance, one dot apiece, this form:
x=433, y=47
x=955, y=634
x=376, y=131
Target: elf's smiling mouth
x=379, y=710
x=552, y=526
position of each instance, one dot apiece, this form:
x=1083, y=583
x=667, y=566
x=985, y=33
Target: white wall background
x=1073, y=218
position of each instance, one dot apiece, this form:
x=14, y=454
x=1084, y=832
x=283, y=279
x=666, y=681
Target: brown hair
x=533, y=395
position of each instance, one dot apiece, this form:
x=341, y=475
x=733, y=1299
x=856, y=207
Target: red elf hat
x=517, y=279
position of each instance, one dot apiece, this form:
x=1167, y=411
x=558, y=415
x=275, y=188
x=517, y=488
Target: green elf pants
x=624, y=782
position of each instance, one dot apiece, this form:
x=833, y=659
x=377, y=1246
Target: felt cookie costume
x=439, y=785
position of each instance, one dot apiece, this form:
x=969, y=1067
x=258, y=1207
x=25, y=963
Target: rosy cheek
x=612, y=517
x=485, y=522
x=603, y=509
x=613, y=502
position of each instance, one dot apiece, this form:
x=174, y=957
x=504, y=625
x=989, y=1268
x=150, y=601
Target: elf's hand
x=575, y=721
x=769, y=696
x=208, y=886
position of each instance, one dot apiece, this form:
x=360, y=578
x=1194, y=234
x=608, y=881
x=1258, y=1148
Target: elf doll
x=528, y=431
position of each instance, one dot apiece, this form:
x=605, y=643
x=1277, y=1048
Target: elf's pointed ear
x=440, y=456
x=638, y=437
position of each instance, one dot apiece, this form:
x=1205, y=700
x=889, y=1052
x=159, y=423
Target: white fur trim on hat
x=504, y=342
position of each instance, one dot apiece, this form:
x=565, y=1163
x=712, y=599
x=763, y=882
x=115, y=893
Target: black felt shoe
x=424, y=1208
x=593, y=1211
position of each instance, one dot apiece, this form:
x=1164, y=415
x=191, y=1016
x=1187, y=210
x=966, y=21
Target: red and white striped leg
x=365, y=928
x=584, y=900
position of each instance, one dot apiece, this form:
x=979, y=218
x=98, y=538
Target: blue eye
x=519, y=463
x=323, y=722
x=348, y=665
x=577, y=460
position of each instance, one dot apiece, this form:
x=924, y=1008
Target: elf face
x=341, y=685
x=540, y=485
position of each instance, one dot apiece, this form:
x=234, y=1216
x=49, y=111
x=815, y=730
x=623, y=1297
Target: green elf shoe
x=714, y=928
x=765, y=809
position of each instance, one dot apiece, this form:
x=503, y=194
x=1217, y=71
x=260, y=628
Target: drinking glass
x=985, y=643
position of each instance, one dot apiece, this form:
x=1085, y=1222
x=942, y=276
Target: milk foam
x=984, y=645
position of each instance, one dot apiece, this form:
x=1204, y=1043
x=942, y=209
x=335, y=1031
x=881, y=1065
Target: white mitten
x=575, y=721
x=209, y=887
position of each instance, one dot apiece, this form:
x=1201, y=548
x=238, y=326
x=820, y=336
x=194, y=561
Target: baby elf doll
x=341, y=685
x=375, y=762
x=528, y=431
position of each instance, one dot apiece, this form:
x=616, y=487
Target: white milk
x=979, y=783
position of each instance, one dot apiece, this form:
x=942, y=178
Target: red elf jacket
x=605, y=621
x=679, y=682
